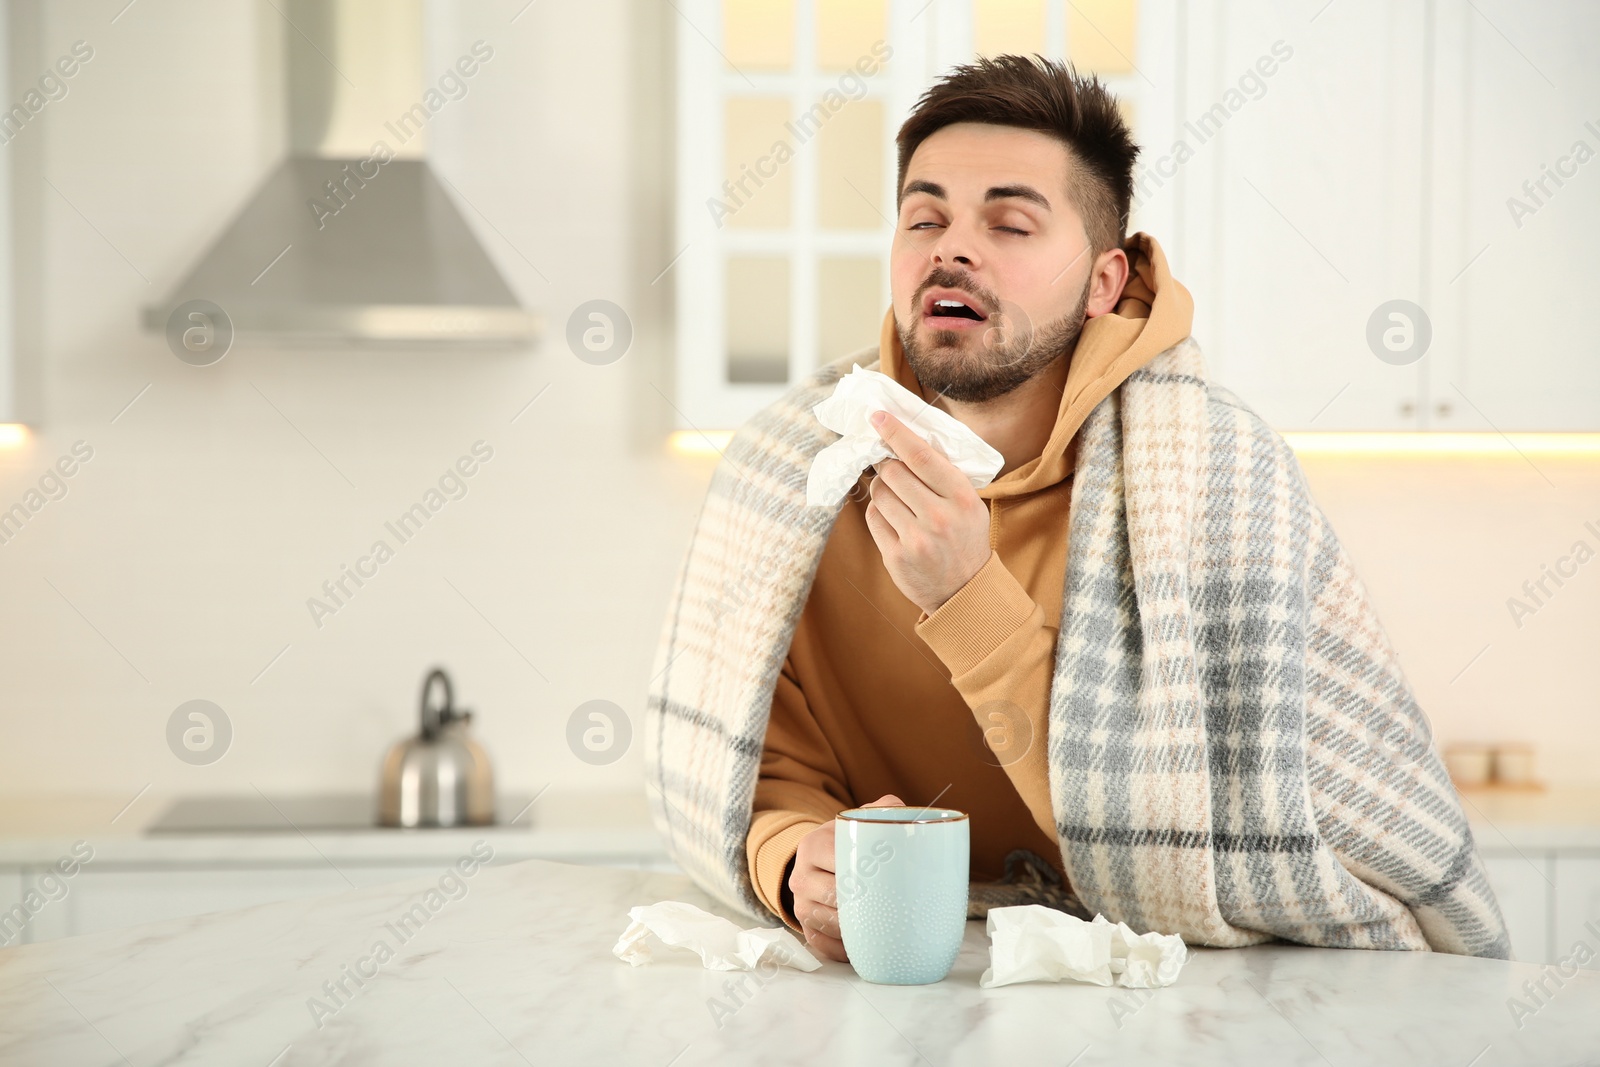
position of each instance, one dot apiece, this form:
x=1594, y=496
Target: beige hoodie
x=877, y=697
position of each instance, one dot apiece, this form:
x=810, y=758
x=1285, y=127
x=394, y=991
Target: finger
x=912, y=491
x=883, y=535
x=821, y=919
x=815, y=853
x=811, y=886
x=888, y=800
x=831, y=948
x=925, y=461
x=891, y=507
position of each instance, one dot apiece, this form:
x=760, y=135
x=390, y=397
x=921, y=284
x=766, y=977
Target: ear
x=1106, y=282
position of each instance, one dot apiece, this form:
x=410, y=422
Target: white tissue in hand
x=722, y=945
x=858, y=395
x=1033, y=943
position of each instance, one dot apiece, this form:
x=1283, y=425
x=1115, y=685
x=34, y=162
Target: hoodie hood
x=1154, y=313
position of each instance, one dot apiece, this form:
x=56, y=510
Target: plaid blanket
x=1235, y=754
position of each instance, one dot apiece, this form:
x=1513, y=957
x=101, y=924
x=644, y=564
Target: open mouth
x=952, y=307
x=956, y=309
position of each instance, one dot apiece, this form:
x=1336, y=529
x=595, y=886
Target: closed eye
x=1002, y=229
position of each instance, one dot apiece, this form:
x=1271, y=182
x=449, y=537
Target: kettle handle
x=433, y=717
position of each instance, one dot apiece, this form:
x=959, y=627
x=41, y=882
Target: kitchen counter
x=575, y=825
x=239, y=851
x=515, y=967
x=1558, y=817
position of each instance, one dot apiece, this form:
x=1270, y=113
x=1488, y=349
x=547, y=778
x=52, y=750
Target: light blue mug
x=901, y=876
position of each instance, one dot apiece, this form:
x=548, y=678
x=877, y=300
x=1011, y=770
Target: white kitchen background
x=219, y=499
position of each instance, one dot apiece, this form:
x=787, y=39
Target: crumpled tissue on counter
x=1033, y=943
x=721, y=945
x=859, y=394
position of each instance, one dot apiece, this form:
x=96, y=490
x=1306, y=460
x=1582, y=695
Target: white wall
x=193, y=538
x=1442, y=545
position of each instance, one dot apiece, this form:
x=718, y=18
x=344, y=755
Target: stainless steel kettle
x=441, y=777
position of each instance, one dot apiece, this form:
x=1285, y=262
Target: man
x=1138, y=659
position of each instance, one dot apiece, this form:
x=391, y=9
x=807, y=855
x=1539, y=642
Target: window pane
x=758, y=319
x=759, y=177
x=847, y=30
x=1101, y=35
x=851, y=303
x=1130, y=114
x=850, y=148
x=1008, y=26
x=757, y=34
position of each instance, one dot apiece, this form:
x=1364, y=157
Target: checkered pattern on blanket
x=1235, y=754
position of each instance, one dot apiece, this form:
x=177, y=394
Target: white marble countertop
x=517, y=969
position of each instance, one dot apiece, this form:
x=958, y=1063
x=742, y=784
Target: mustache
x=944, y=278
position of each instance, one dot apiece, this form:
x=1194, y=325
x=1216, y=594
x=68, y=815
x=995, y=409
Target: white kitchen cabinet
x=1514, y=225
x=138, y=875
x=1379, y=162
x=1577, y=904
x=1299, y=206
x=11, y=932
x=1524, y=885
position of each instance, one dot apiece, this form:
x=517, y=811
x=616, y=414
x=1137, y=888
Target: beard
x=972, y=366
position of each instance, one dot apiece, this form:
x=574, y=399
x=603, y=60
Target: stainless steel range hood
x=347, y=241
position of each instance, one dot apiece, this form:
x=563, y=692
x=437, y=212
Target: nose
x=956, y=246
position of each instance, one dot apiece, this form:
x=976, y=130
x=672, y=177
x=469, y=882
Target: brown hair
x=1034, y=93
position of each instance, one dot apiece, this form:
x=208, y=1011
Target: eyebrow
x=998, y=192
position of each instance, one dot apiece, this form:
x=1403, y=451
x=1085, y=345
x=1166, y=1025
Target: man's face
x=985, y=222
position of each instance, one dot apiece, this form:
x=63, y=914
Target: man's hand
x=930, y=525
x=816, y=900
